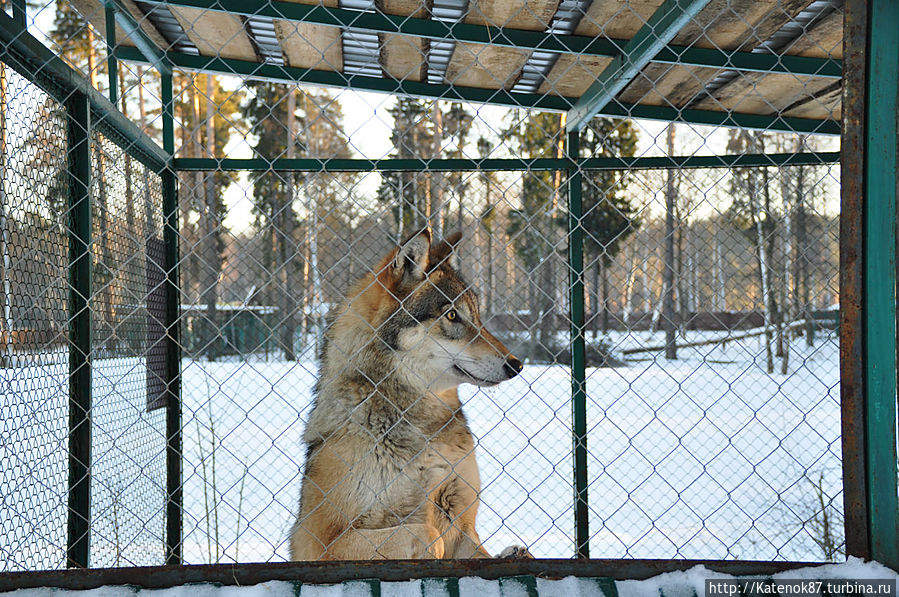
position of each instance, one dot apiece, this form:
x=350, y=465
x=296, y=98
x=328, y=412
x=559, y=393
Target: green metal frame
x=881, y=163
x=147, y=47
x=79, y=227
x=500, y=97
x=86, y=107
x=505, y=164
x=112, y=63
x=34, y=61
x=19, y=12
x=174, y=443
x=658, y=30
x=578, y=348
x=521, y=39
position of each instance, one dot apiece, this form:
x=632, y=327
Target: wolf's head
x=417, y=318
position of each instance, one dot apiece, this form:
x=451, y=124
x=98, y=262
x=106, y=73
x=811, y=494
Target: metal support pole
x=881, y=162
x=578, y=361
x=111, y=60
x=174, y=500
x=19, y=12
x=79, y=224
x=852, y=370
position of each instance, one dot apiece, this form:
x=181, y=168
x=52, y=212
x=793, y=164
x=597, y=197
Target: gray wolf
x=390, y=464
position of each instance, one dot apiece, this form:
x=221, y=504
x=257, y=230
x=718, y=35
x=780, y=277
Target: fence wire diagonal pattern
x=310, y=143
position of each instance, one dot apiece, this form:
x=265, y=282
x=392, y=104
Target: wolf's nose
x=513, y=367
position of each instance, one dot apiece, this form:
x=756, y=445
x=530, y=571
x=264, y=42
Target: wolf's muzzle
x=512, y=367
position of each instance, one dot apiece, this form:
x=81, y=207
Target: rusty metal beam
x=160, y=577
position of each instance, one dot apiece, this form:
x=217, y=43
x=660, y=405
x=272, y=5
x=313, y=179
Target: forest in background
x=661, y=247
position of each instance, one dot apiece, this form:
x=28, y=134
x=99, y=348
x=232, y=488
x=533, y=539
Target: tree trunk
x=763, y=272
x=435, y=182
x=680, y=275
x=6, y=324
x=668, y=314
x=720, y=274
x=547, y=312
x=597, y=300
x=771, y=303
x=209, y=243
x=312, y=234
x=629, y=286
x=287, y=304
x=604, y=276
x=488, y=305
x=802, y=280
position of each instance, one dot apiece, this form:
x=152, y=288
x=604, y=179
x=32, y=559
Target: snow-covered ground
x=705, y=457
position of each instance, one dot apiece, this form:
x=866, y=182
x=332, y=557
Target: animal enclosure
x=655, y=217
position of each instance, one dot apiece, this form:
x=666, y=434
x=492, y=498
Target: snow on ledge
x=686, y=583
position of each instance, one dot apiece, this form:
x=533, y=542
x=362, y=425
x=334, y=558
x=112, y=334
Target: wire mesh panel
x=726, y=447
x=127, y=435
x=33, y=327
x=324, y=335
x=128, y=429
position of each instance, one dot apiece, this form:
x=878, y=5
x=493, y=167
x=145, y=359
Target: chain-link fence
x=57, y=448
x=669, y=291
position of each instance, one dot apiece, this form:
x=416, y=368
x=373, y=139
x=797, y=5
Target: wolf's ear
x=445, y=249
x=411, y=261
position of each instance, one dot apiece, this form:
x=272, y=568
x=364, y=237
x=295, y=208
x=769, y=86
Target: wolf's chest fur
x=402, y=456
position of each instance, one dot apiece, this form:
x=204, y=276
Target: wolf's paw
x=515, y=552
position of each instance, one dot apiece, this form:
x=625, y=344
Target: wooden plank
x=409, y=8
x=718, y=25
x=674, y=85
x=572, y=75
x=215, y=33
x=310, y=46
x=637, y=53
x=404, y=57
x=145, y=24
x=797, y=96
x=827, y=101
x=95, y=13
x=743, y=24
x=534, y=15
x=769, y=94
x=619, y=20
x=491, y=67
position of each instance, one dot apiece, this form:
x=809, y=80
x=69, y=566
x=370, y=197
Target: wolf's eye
x=452, y=315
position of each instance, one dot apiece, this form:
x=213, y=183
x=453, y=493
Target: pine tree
x=534, y=226
x=206, y=127
x=317, y=122
x=609, y=216
x=406, y=192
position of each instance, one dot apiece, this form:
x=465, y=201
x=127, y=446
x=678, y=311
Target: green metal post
x=19, y=12
x=503, y=164
x=881, y=162
x=578, y=360
x=111, y=60
x=79, y=224
x=656, y=32
x=175, y=500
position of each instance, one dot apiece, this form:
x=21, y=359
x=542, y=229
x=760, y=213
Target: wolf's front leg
x=409, y=541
